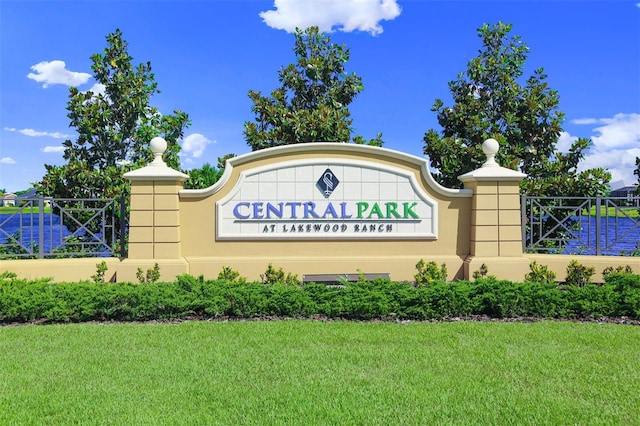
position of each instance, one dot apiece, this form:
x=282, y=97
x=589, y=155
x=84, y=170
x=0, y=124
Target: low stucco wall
x=559, y=263
x=61, y=270
x=401, y=268
x=515, y=269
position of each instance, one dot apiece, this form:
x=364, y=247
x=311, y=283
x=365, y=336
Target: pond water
x=617, y=235
x=53, y=235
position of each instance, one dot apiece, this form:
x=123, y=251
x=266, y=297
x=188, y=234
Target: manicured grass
x=23, y=210
x=329, y=373
x=630, y=212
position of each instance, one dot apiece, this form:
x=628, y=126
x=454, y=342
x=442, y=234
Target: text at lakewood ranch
x=326, y=198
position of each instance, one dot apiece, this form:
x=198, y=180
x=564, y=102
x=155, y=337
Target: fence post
x=598, y=225
x=154, y=223
x=41, y=228
x=123, y=224
x=496, y=227
x=523, y=220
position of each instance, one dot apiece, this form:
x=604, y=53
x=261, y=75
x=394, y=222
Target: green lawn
x=23, y=210
x=630, y=212
x=329, y=373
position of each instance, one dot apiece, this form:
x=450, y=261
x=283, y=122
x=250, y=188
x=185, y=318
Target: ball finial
x=490, y=148
x=158, y=147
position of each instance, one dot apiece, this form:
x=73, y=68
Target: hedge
x=191, y=297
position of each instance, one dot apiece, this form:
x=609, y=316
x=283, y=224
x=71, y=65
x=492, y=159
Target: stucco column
x=154, y=225
x=495, y=212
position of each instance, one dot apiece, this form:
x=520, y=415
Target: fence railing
x=55, y=227
x=59, y=227
x=581, y=225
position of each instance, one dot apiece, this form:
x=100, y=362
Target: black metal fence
x=57, y=228
x=581, y=225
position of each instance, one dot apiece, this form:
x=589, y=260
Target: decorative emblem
x=327, y=183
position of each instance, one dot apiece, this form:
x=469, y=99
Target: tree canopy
x=113, y=127
x=489, y=101
x=312, y=103
x=206, y=175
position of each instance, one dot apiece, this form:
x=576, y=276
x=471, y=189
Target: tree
x=114, y=129
x=203, y=177
x=312, y=104
x=489, y=102
x=206, y=175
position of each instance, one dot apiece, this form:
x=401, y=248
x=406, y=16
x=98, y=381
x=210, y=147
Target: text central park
x=309, y=210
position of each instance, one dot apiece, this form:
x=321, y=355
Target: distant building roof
x=617, y=184
x=31, y=193
x=624, y=191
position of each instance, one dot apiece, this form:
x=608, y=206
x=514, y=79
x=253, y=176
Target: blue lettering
x=293, y=206
x=257, y=210
x=276, y=210
x=330, y=210
x=343, y=211
x=236, y=211
x=309, y=210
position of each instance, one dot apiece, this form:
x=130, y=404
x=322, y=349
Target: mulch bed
x=475, y=318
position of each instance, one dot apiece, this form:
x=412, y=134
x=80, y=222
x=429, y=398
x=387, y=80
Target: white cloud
x=623, y=130
x=7, y=160
x=55, y=72
x=97, y=89
x=620, y=163
x=55, y=135
x=195, y=144
x=35, y=133
x=616, y=144
x=328, y=15
x=54, y=149
x=584, y=121
x=565, y=141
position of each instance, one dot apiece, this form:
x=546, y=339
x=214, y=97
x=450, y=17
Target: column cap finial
x=158, y=147
x=490, y=147
x=157, y=170
x=491, y=170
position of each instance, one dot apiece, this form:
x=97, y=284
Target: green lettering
x=392, y=210
x=362, y=207
x=408, y=210
x=375, y=210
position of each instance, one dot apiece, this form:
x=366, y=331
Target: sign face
x=326, y=199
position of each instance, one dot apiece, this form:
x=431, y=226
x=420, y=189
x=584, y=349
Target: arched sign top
x=282, y=153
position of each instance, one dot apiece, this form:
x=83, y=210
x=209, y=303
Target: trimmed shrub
x=428, y=273
x=579, y=275
x=540, y=274
x=195, y=297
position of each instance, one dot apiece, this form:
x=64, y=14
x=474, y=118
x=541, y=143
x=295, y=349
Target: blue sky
x=206, y=56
